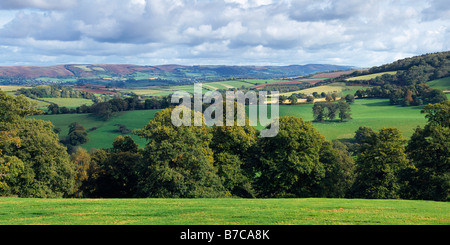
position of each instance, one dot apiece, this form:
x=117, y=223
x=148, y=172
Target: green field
x=104, y=135
x=207, y=86
x=373, y=113
x=339, y=88
x=69, y=102
x=370, y=76
x=311, y=211
x=442, y=84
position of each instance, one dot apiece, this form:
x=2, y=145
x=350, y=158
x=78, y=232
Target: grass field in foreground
x=314, y=211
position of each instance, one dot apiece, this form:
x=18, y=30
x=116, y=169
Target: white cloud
x=360, y=33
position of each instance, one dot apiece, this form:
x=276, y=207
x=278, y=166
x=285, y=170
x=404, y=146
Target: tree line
x=409, y=71
x=412, y=95
x=55, y=91
x=229, y=161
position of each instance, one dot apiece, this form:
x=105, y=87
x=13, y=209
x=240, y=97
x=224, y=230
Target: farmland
x=442, y=84
x=370, y=76
x=374, y=113
x=310, y=211
x=102, y=133
x=340, y=88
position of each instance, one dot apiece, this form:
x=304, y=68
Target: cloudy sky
x=361, y=33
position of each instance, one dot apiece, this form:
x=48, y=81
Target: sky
x=362, y=33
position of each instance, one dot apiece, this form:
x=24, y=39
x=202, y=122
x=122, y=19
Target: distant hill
x=160, y=74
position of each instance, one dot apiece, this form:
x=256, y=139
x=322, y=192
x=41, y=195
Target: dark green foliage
x=329, y=110
x=289, y=162
x=54, y=91
x=414, y=95
x=429, y=149
x=411, y=71
x=41, y=165
x=381, y=159
x=178, y=161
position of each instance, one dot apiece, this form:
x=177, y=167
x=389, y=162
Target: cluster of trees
x=106, y=109
x=285, y=88
x=232, y=161
x=410, y=71
x=55, y=91
x=329, y=110
x=76, y=136
x=413, y=95
x=293, y=98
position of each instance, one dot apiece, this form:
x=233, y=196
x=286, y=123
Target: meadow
x=370, y=76
x=102, y=133
x=442, y=84
x=308, y=211
x=339, y=87
x=373, y=113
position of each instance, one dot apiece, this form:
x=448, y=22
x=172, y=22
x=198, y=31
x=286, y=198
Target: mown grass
x=311, y=211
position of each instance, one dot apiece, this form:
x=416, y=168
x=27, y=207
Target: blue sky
x=228, y=32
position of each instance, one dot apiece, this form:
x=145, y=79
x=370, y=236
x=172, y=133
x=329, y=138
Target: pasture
x=207, y=86
x=102, y=133
x=310, y=211
x=442, y=84
x=340, y=88
x=370, y=76
x=69, y=102
x=373, y=113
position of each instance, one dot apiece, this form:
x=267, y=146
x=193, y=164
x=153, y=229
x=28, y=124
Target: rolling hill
x=150, y=75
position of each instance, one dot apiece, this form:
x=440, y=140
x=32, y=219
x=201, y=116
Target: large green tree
x=381, y=160
x=47, y=170
x=429, y=149
x=178, y=161
x=289, y=163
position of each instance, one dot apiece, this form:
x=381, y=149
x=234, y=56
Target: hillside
x=150, y=75
x=403, y=72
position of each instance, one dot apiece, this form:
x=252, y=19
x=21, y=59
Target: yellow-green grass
x=339, y=88
x=39, y=104
x=373, y=113
x=294, y=211
x=370, y=76
x=69, y=102
x=11, y=88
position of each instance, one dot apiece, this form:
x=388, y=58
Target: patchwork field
x=341, y=88
x=374, y=113
x=207, y=86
